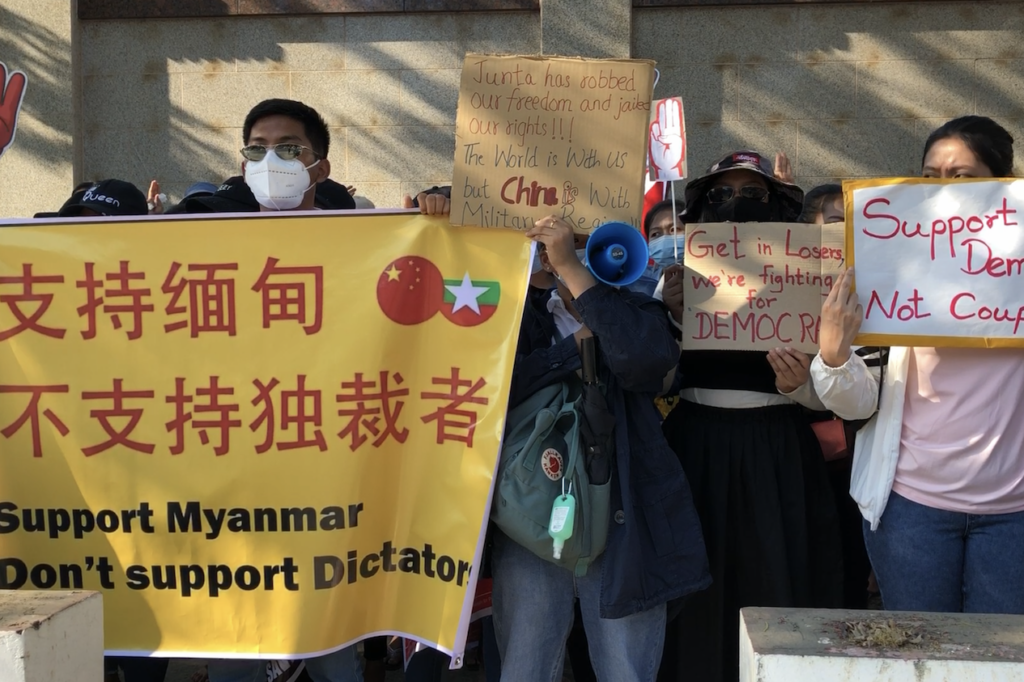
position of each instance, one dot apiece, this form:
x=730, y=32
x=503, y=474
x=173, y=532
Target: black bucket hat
x=790, y=196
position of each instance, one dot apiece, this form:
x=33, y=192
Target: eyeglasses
x=285, y=152
x=720, y=195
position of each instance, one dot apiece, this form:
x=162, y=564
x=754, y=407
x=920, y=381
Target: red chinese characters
x=133, y=304
x=285, y=416
x=31, y=414
x=287, y=292
x=369, y=405
x=300, y=408
x=37, y=303
x=117, y=435
x=210, y=304
x=221, y=423
x=454, y=422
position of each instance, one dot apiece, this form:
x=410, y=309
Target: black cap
x=790, y=196
x=233, y=196
x=107, y=197
x=332, y=196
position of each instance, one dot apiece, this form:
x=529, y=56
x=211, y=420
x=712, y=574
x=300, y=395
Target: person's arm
x=633, y=330
x=542, y=367
x=634, y=336
x=850, y=390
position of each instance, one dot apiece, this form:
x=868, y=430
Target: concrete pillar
x=37, y=173
x=51, y=636
x=586, y=28
x=784, y=645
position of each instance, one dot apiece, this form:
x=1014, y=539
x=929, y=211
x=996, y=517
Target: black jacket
x=655, y=549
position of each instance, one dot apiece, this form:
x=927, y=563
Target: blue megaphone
x=617, y=254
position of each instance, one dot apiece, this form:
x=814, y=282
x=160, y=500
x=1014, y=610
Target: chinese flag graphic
x=410, y=290
x=469, y=302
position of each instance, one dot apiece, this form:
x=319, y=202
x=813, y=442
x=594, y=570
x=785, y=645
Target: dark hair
x=816, y=198
x=988, y=140
x=312, y=122
x=655, y=210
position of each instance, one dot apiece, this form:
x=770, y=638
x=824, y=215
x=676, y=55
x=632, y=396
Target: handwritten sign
x=537, y=136
x=939, y=263
x=757, y=286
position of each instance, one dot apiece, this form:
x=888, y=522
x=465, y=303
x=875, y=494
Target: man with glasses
x=286, y=145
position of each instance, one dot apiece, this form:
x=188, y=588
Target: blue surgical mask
x=663, y=249
x=581, y=254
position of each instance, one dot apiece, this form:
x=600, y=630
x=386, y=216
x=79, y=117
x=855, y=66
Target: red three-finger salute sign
x=12, y=92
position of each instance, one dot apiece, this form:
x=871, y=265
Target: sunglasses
x=720, y=195
x=285, y=152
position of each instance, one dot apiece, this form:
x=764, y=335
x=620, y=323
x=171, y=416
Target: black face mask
x=744, y=210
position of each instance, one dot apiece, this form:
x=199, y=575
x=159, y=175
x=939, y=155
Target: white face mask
x=278, y=185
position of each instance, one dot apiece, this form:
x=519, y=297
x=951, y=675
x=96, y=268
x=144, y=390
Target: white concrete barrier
x=51, y=636
x=797, y=645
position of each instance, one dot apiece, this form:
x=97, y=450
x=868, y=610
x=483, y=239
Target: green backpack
x=542, y=450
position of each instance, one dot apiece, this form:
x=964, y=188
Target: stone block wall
x=846, y=89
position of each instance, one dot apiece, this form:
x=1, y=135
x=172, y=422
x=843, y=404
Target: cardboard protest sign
x=667, y=141
x=255, y=446
x=537, y=136
x=12, y=93
x=938, y=262
x=757, y=286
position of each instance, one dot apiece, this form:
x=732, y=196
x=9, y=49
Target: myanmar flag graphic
x=469, y=302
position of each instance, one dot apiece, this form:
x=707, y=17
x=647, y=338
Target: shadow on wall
x=387, y=85
x=848, y=91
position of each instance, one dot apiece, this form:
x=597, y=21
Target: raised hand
x=667, y=143
x=12, y=92
x=783, y=168
x=154, y=200
x=841, y=317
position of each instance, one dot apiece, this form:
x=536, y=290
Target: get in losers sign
x=939, y=263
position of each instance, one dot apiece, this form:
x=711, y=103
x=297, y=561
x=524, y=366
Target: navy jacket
x=655, y=549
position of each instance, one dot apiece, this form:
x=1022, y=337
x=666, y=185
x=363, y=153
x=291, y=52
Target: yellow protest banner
x=537, y=136
x=266, y=436
x=758, y=286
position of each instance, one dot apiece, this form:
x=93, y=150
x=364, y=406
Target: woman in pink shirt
x=938, y=473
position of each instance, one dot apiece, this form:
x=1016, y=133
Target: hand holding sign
x=668, y=143
x=792, y=368
x=672, y=292
x=12, y=91
x=841, y=317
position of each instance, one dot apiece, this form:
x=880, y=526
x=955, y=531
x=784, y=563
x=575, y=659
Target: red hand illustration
x=12, y=91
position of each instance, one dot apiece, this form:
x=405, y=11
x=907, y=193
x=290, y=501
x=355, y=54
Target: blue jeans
x=927, y=559
x=533, y=614
x=339, y=666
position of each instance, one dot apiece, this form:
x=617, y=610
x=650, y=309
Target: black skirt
x=770, y=525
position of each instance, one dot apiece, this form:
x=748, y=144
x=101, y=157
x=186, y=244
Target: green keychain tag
x=563, y=515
